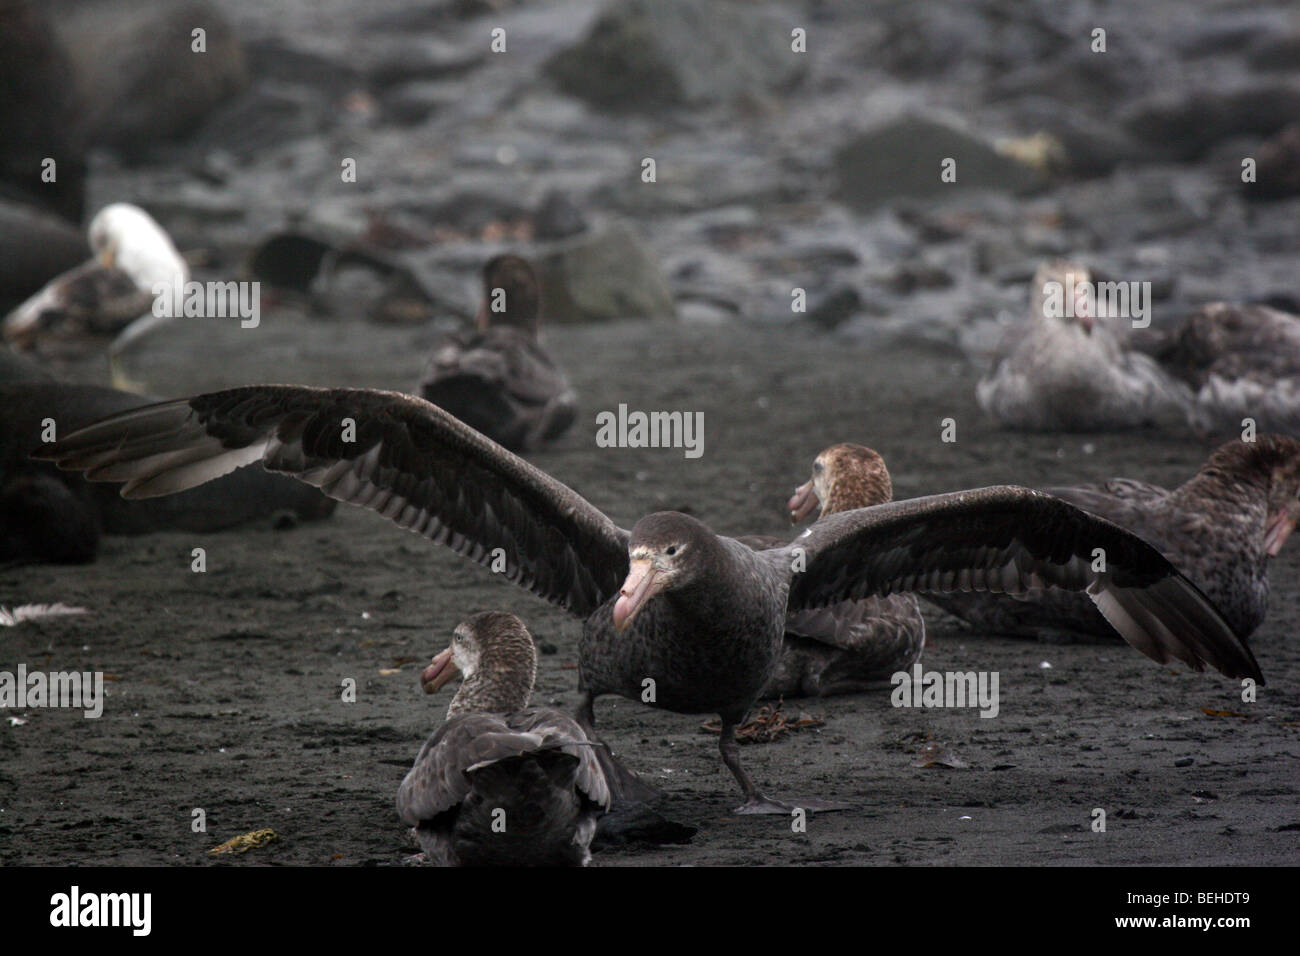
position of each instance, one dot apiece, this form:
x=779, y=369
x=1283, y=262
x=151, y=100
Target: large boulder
x=35, y=247
x=1277, y=175
x=1184, y=125
x=138, y=79
x=603, y=276
x=36, y=113
x=903, y=157
x=646, y=55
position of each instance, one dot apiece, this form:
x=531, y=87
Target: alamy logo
x=949, y=689
x=75, y=689
x=210, y=300
x=636, y=429
x=74, y=908
x=1083, y=298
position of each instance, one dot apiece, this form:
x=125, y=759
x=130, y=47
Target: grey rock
x=35, y=247
x=37, y=113
x=603, y=276
x=558, y=218
x=135, y=73
x=1186, y=124
x=902, y=158
x=1277, y=172
x=836, y=308
x=645, y=55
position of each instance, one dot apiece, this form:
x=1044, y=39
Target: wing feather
x=1012, y=540
x=407, y=459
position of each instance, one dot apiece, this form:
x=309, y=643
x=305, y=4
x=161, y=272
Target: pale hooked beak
x=1279, y=528
x=442, y=670
x=108, y=255
x=803, y=502
x=641, y=585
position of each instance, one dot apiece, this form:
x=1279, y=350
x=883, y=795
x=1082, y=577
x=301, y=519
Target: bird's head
x=1063, y=293
x=496, y=659
x=844, y=477
x=668, y=551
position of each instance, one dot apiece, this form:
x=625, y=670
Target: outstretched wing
x=1011, y=540
x=393, y=453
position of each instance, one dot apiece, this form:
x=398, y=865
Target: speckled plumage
x=497, y=378
x=1211, y=527
x=501, y=783
x=1241, y=361
x=1059, y=374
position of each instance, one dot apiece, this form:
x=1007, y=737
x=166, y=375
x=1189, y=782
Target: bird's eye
x=671, y=551
x=818, y=466
x=457, y=637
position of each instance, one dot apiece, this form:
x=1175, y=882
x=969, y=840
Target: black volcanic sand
x=225, y=690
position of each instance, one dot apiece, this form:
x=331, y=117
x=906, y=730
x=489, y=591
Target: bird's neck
x=491, y=693
x=862, y=491
x=711, y=608
x=1237, y=483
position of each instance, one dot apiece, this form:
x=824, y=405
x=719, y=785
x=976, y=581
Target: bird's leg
x=117, y=348
x=755, y=802
x=120, y=380
x=731, y=757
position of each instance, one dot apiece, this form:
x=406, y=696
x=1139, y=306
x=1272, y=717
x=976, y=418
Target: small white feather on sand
x=34, y=612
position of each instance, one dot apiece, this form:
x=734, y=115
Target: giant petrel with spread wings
x=699, y=614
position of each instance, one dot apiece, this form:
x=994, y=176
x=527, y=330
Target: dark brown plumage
x=497, y=377
x=501, y=783
x=700, y=615
x=851, y=646
x=1219, y=528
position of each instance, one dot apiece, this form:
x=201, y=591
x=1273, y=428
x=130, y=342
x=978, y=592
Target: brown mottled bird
x=501, y=783
x=851, y=646
x=497, y=378
x=676, y=616
x=1241, y=362
x=1219, y=528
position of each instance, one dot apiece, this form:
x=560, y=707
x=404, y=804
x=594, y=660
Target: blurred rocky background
x=480, y=125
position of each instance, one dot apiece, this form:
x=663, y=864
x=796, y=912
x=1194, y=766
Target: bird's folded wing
x=1011, y=540
x=564, y=733
x=440, y=779
x=393, y=453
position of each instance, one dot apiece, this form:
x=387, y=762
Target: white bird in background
x=1071, y=372
x=112, y=294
